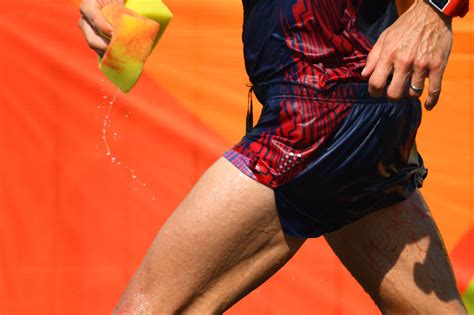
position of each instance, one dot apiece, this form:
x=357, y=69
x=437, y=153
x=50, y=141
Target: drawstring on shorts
x=249, y=119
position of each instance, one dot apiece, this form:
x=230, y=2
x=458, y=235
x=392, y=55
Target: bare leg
x=399, y=258
x=222, y=242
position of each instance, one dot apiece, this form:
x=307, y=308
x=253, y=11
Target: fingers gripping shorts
x=331, y=157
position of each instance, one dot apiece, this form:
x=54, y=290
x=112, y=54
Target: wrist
x=449, y=8
x=430, y=9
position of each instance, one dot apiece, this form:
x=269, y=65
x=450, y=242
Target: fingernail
x=363, y=71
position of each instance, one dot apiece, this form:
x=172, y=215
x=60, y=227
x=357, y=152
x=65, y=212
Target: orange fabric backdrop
x=74, y=226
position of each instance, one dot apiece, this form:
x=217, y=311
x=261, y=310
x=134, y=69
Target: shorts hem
x=320, y=227
x=241, y=162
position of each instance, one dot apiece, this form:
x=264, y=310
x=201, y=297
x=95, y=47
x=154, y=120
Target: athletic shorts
x=333, y=156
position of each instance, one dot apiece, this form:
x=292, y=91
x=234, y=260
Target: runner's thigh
x=223, y=241
x=399, y=258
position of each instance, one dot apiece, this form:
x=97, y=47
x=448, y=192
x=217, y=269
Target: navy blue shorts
x=333, y=156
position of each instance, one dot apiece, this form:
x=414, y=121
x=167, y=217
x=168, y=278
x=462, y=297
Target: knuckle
x=84, y=8
x=376, y=84
x=421, y=65
x=389, y=53
x=404, y=63
x=394, y=95
x=93, y=19
x=435, y=93
x=436, y=65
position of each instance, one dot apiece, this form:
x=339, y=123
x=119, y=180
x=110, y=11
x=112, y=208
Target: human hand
x=415, y=47
x=95, y=28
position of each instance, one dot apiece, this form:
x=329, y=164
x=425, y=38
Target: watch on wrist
x=451, y=8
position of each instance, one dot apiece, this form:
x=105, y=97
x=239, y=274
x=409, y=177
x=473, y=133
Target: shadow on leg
x=399, y=258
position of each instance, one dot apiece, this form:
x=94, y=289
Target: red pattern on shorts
x=279, y=148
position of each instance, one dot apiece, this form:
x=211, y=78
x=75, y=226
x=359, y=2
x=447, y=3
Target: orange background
x=74, y=226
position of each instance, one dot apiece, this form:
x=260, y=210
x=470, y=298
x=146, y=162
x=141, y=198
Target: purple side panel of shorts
x=240, y=161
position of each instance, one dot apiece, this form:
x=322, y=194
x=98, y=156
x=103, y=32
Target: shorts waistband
x=343, y=91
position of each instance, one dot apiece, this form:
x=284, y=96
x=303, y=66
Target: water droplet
x=105, y=97
x=134, y=176
x=113, y=159
x=144, y=184
x=115, y=136
x=108, y=153
x=135, y=188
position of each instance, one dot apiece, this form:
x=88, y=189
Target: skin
x=415, y=47
x=95, y=28
x=225, y=238
x=222, y=242
x=399, y=258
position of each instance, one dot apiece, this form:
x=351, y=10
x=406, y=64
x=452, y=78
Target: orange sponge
x=132, y=41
